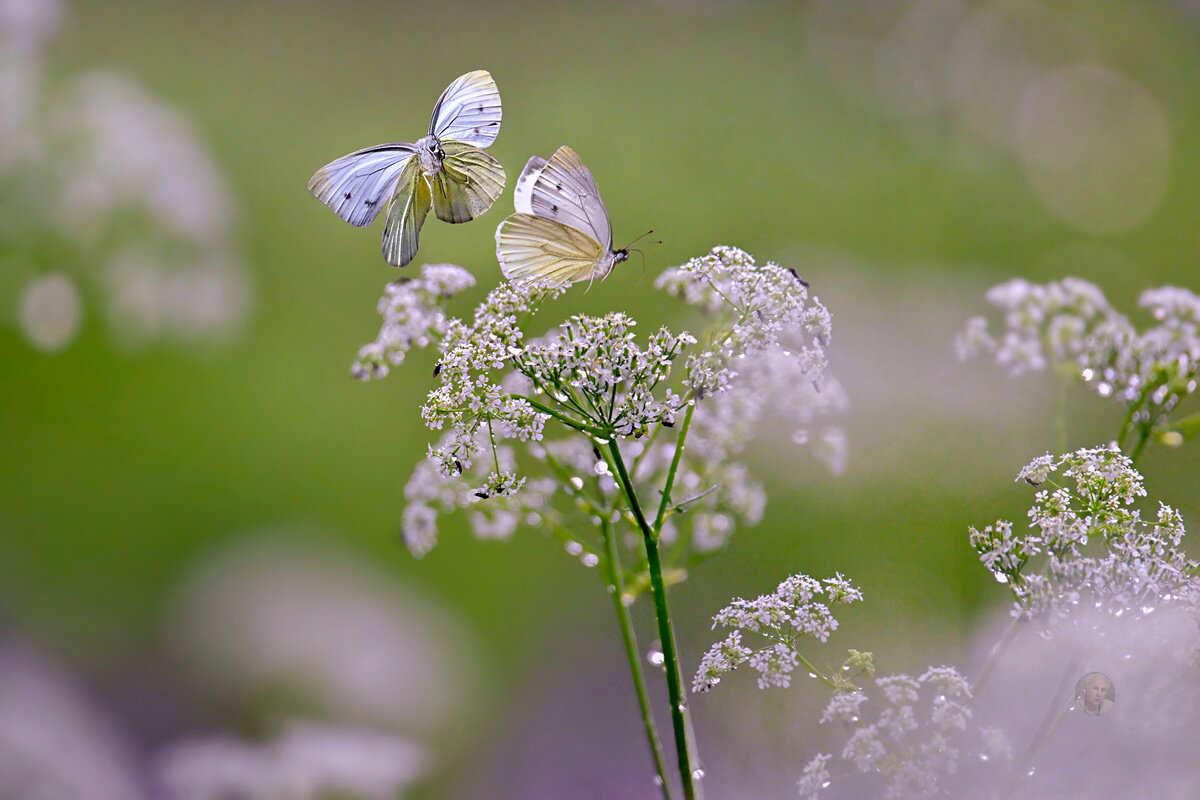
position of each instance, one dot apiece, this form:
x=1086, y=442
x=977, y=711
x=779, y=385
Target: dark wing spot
x=369, y=203
x=481, y=108
x=554, y=209
x=558, y=186
x=477, y=130
x=347, y=195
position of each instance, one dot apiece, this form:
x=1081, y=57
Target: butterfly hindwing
x=523, y=191
x=355, y=186
x=468, y=184
x=535, y=249
x=468, y=111
x=405, y=214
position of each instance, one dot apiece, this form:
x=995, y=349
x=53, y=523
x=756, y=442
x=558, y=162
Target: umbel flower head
x=1092, y=544
x=527, y=420
x=799, y=607
x=1071, y=327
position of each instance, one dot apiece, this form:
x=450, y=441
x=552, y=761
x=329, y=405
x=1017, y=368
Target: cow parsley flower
x=1094, y=545
x=920, y=734
x=799, y=607
x=1070, y=327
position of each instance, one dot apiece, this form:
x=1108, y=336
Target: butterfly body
x=561, y=233
x=446, y=170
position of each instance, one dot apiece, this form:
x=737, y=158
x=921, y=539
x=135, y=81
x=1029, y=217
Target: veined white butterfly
x=561, y=232
x=445, y=169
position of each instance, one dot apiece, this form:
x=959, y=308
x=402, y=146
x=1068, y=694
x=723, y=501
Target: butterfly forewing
x=405, y=215
x=566, y=191
x=468, y=111
x=534, y=249
x=467, y=185
x=355, y=186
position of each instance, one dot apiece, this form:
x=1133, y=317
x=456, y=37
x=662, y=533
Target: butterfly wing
x=535, y=249
x=469, y=182
x=565, y=191
x=355, y=185
x=468, y=111
x=405, y=215
x=523, y=192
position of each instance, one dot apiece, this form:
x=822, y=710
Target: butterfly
x=561, y=233
x=445, y=169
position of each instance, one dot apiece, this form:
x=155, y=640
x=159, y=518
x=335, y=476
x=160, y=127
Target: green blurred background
x=903, y=156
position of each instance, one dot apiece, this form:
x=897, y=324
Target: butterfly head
x=429, y=150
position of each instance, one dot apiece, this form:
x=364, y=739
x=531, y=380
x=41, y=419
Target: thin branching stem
x=670, y=484
x=680, y=719
x=633, y=654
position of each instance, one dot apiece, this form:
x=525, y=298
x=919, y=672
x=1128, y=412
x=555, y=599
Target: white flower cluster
x=599, y=381
x=1096, y=546
x=766, y=307
x=413, y=316
x=799, y=607
x=594, y=367
x=1069, y=325
x=917, y=740
x=137, y=211
x=510, y=499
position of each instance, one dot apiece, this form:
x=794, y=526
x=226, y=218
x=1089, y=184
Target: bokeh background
x=199, y=508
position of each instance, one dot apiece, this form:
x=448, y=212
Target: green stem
x=1143, y=439
x=825, y=679
x=994, y=654
x=616, y=585
x=563, y=418
x=680, y=719
x=670, y=484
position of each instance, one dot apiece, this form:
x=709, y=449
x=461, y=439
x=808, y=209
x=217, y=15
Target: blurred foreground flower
x=107, y=198
x=297, y=626
x=306, y=762
x=54, y=743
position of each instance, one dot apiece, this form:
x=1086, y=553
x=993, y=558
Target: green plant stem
x=994, y=654
x=680, y=719
x=680, y=442
x=583, y=427
x=616, y=584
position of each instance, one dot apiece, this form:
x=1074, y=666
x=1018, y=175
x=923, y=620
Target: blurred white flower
x=50, y=312
x=104, y=183
x=277, y=612
x=53, y=742
x=306, y=762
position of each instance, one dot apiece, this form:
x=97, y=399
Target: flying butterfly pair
x=560, y=234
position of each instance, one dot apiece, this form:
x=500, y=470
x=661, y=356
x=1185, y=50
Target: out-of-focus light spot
x=910, y=62
x=50, y=312
x=1096, y=148
x=988, y=71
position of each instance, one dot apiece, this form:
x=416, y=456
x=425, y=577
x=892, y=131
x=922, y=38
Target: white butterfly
x=446, y=169
x=561, y=232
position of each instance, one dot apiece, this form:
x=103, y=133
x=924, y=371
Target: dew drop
x=812, y=674
x=611, y=589
x=825, y=785
x=1147, y=610
x=1000, y=577
x=1087, y=374
x=627, y=599
x=657, y=780
x=574, y=548
x=577, y=482
x=590, y=559
x=1031, y=771
x=598, y=440
x=600, y=468
x=698, y=774
x=983, y=756
x=656, y=658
